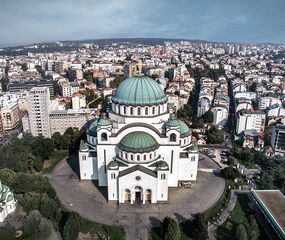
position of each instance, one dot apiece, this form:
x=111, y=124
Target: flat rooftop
x=273, y=202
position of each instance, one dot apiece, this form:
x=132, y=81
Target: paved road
x=227, y=212
x=90, y=201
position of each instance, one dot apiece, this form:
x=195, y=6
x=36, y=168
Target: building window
x=113, y=175
x=104, y=137
x=150, y=156
x=83, y=157
x=125, y=109
x=144, y=157
x=191, y=175
x=184, y=141
x=126, y=156
x=162, y=195
x=162, y=176
x=193, y=158
x=139, y=111
x=153, y=110
x=158, y=109
x=172, y=137
x=132, y=157
x=131, y=110
x=146, y=111
x=138, y=157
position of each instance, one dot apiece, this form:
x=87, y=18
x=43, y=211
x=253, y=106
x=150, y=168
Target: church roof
x=139, y=90
x=139, y=168
x=138, y=142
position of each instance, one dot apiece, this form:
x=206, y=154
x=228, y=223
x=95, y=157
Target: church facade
x=141, y=149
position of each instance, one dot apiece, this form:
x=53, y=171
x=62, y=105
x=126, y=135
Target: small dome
x=172, y=122
x=139, y=90
x=162, y=166
x=92, y=130
x=184, y=129
x=138, y=142
x=104, y=121
x=113, y=165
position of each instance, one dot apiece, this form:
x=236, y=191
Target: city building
x=278, y=139
x=266, y=102
x=10, y=115
x=140, y=149
x=38, y=112
x=8, y=202
x=220, y=115
x=250, y=120
x=78, y=101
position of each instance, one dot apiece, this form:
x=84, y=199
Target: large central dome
x=139, y=90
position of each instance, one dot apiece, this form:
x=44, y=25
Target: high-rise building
x=38, y=110
x=278, y=139
x=10, y=116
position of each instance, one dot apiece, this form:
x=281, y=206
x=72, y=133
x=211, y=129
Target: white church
x=141, y=149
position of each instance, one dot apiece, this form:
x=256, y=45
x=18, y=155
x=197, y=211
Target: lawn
x=241, y=210
x=91, y=230
x=54, y=159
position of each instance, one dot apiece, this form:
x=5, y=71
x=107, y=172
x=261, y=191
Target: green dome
x=113, y=165
x=138, y=142
x=184, y=129
x=139, y=90
x=104, y=121
x=162, y=166
x=172, y=122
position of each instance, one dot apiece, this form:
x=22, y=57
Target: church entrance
x=138, y=194
x=127, y=195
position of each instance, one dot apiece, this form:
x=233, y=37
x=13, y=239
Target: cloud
x=241, y=19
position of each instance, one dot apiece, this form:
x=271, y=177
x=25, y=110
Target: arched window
x=146, y=111
x=162, y=176
x=139, y=111
x=144, y=157
x=150, y=156
x=153, y=110
x=172, y=137
x=132, y=157
x=125, y=110
x=158, y=109
x=104, y=137
x=138, y=158
x=184, y=141
x=131, y=110
x=119, y=109
x=154, y=154
x=113, y=175
x=126, y=156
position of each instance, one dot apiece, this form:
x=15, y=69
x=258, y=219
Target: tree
x=117, y=80
x=208, y=117
x=240, y=233
x=214, y=136
x=172, y=230
x=22, y=183
x=252, y=228
x=57, y=140
x=72, y=226
x=48, y=207
x=4, y=84
x=42, y=147
x=230, y=173
x=37, y=225
x=200, y=230
x=31, y=201
x=7, y=176
x=7, y=233
x=24, y=67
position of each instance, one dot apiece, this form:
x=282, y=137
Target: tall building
x=11, y=115
x=250, y=120
x=278, y=139
x=141, y=149
x=38, y=111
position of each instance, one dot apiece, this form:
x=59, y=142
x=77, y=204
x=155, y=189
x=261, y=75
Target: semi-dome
x=139, y=90
x=184, y=129
x=172, y=122
x=104, y=121
x=138, y=142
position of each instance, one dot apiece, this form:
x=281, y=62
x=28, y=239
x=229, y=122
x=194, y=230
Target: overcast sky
x=32, y=21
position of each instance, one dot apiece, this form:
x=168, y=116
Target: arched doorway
x=127, y=195
x=138, y=193
x=148, y=195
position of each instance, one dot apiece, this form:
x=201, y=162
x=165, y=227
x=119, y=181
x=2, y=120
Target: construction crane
x=88, y=112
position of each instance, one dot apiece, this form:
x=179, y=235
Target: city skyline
x=31, y=21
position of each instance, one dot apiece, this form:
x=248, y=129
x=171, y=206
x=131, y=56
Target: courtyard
x=90, y=201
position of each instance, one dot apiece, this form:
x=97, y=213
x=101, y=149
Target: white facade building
x=141, y=149
x=8, y=202
x=221, y=114
x=266, y=102
x=247, y=120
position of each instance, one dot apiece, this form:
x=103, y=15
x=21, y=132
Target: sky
x=34, y=21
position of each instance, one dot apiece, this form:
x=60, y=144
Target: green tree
x=172, y=230
x=230, y=173
x=4, y=84
x=241, y=233
x=31, y=201
x=252, y=228
x=72, y=226
x=22, y=183
x=48, y=207
x=37, y=225
x=214, y=135
x=42, y=147
x=7, y=233
x=24, y=67
x=117, y=80
x=200, y=230
x=208, y=117
x=38, y=164
x=7, y=176
x=57, y=140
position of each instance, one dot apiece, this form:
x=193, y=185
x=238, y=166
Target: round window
x=138, y=178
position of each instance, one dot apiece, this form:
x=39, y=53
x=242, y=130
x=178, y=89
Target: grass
x=155, y=234
x=240, y=211
x=99, y=231
x=54, y=159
